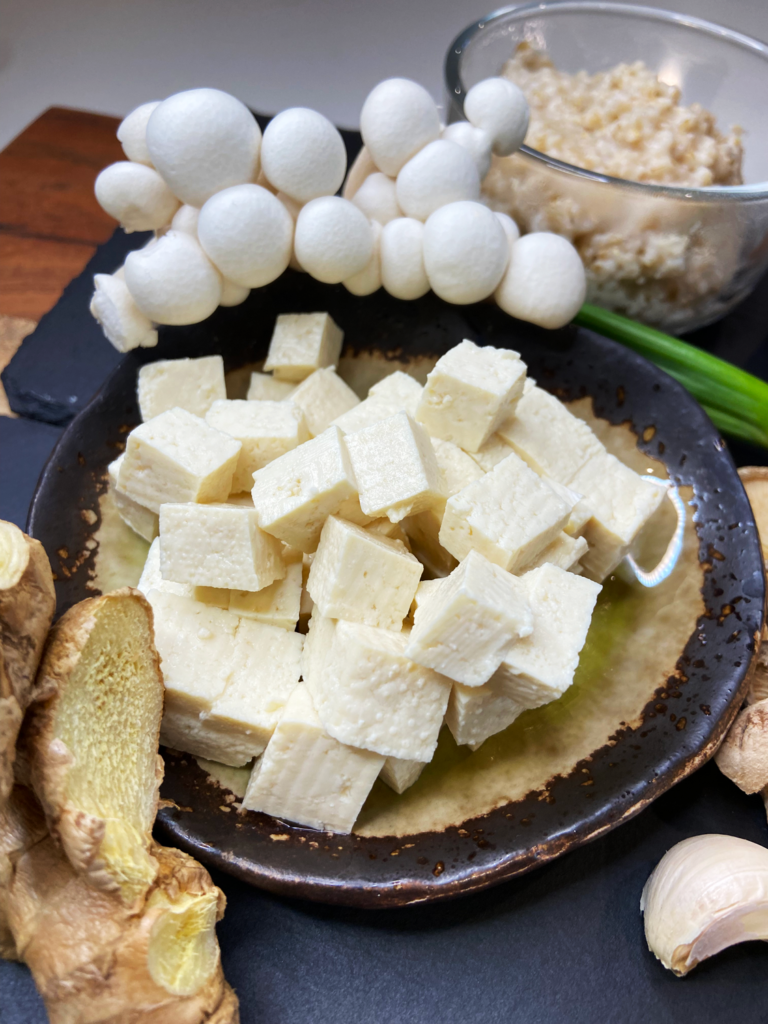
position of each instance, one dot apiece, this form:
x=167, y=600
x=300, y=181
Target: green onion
x=735, y=401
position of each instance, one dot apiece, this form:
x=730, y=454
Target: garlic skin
x=172, y=281
x=707, y=893
x=333, y=240
x=303, y=154
x=132, y=133
x=136, y=196
x=743, y=754
x=398, y=119
x=123, y=323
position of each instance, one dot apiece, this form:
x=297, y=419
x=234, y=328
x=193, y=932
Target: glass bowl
x=674, y=257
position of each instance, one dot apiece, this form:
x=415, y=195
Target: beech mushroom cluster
x=232, y=209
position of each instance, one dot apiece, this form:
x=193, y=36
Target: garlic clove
x=368, y=280
x=500, y=108
x=136, y=196
x=132, y=133
x=441, y=173
x=706, y=893
x=476, y=142
x=465, y=252
x=402, y=259
x=333, y=240
x=377, y=198
x=172, y=281
x=545, y=282
x=743, y=754
x=123, y=323
x=303, y=154
x=398, y=119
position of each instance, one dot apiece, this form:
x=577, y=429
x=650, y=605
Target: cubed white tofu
x=470, y=393
x=424, y=591
x=396, y=468
x=362, y=578
x=217, y=546
x=177, y=457
x=540, y=668
x=140, y=519
x=302, y=343
x=390, y=531
x=457, y=467
x=581, y=513
x=369, y=694
x=295, y=494
x=564, y=552
x=191, y=384
x=400, y=774
x=622, y=502
x=218, y=597
x=491, y=452
x=553, y=441
x=227, y=679
x=279, y=604
x=470, y=623
x=152, y=577
x=266, y=430
x=322, y=397
x=477, y=712
x=509, y=515
x=398, y=392
x=266, y=388
x=306, y=776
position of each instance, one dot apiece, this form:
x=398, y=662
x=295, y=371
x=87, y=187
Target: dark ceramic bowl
x=660, y=680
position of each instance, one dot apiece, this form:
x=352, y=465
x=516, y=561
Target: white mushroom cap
x=500, y=108
x=334, y=240
x=511, y=230
x=132, y=133
x=293, y=209
x=172, y=281
x=545, y=281
x=476, y=142
x=135, y=195
x=185, y=219
x=233, y=294
x=398, y=118
x=303, y=154
x=402, y=259
x=377, y=198
x=123, y=323
x=441, y=173
x=247, y=232
x=465, y=252
x=368, y=280
x=202, y=141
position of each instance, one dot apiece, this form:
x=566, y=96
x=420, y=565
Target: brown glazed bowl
x=661, y=677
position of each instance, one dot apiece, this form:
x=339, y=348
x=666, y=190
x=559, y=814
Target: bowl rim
x=715, y=193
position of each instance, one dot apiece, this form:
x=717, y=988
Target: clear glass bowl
x=673, y=257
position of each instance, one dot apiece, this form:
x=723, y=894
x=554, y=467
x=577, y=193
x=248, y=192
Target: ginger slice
x=91, y=739
x=27, y=604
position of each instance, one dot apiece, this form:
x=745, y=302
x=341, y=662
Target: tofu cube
x=470, y=622
x=564, y=552
x=581, y=513
x=424, y=591
x=279, y=604
x=457, y=467
x=491, y=453
x=476, y=713
x=226, y=679
x=140, y=519
x=191, y=384
x=306, y=776
x=470, y=393
x=362, y=578
x=553, y=441
x=295, y=494
x=177, y=457
x=396, y=468
x=369, y=694
x=509, y=515
x=265, y=388
x=217, y=546
x=622, y=502
x=398, y=392
x=400, y=774
x=266, y=430
x=218, y=597
x=152, y=577
x=322, y=397
x=540, y=668
x=390, y=531
x=302, y=343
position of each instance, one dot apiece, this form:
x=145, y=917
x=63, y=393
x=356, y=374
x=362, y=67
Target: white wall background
x=110, y=56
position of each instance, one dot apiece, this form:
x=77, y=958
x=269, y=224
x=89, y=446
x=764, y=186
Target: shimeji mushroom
x=441, y=173
x=247, y=233
x=132, y=133
x=476, y=142
x=293, y=209
x=500, y=108
x=545, y=282
x=172, y=281
x=377, y=198
x=303, y=154
x=136, y=196
x=185, y=219
x=398, y=118
x=233, y=294
x=333, y=240
x=368, y=280
x=402, y=259
x=202, y=141
x=465, y=252
x=123, y=323
x=511, y=230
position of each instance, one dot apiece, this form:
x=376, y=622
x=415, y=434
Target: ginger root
x=91, y=738
x=22, y=824
x=27, y=604
x=743, y=755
